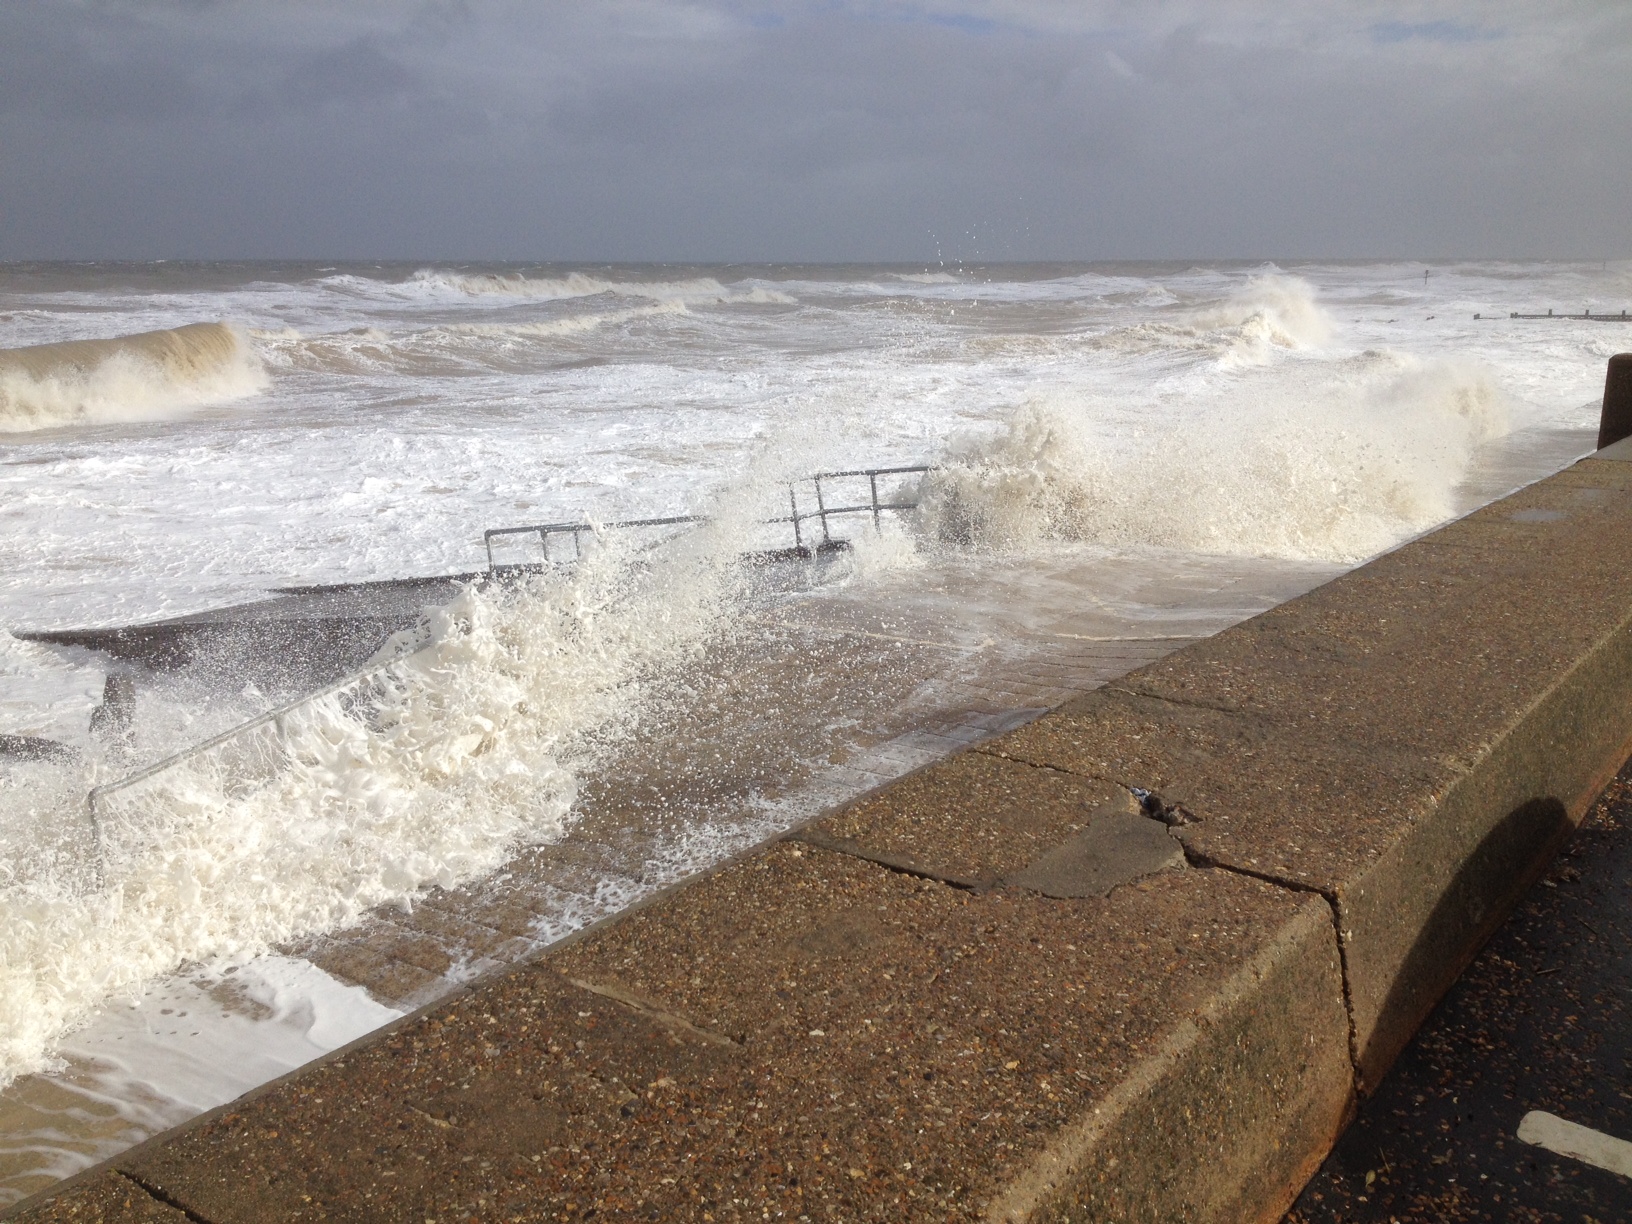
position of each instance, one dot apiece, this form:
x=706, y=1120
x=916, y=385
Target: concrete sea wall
x=1132, y=961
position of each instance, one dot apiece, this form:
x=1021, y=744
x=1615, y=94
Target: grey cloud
x=99, y=66
x=495, y=129
x=355, y=71
x=1432, y=31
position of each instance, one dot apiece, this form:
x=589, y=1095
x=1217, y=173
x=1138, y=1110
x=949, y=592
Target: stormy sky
x=528, y=130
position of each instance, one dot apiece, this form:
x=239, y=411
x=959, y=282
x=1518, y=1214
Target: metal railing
x=798, y=515
x=246, y=757
x=823, y=512
x=233, y=763
x=576, y=532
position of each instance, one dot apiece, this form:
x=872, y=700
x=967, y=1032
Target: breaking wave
x=1269, y=316
x=1270, y=312
x=434, y=350
x=699, y=290
x=127, y=378
x=1332, y=474
x=572, y=325
x=432, y=769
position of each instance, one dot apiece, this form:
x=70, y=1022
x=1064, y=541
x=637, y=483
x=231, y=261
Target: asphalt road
x=1542, y=1020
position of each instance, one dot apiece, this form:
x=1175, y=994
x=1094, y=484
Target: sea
x=177, y=437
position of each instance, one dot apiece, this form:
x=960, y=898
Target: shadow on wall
x=1472, y=906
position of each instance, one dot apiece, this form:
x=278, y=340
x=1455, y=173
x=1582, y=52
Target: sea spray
x=1267, y=313
x=1338, y=475
x=454, y=756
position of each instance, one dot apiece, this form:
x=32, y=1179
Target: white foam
x=1335, y=474
x=879, y=557
x=1267, y=313
x=443, y=348
x=461, y=752
x=698, y=289
x=572, y=324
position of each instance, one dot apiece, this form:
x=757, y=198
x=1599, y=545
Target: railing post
x=872, y=483
x=99, y=839
x=793, y=509
x=821, y=509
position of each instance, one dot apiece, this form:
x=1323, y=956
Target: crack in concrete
x=158, y=1195
x=1182, y=702
x=653, y=1011
x=1348, y=997
x=988, y=749
x=1173, y=815
x=1196, y=859
x=893, y=862
x=1079, y=866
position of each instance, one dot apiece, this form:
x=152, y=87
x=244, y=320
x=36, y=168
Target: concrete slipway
x=1134, y=960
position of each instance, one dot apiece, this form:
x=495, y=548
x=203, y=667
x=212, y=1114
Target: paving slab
x=809, y=1034
x=981, y=821
x=106, y=1198
x=969, y=819
x=988, y=1040
x=1413, y=740
x=1115, y=849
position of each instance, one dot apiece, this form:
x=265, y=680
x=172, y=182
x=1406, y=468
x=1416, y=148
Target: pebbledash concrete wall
x=1133, y=961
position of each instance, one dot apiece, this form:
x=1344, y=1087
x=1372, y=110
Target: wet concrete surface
x=1542, y=1020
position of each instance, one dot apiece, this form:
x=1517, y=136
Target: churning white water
x=362, y=422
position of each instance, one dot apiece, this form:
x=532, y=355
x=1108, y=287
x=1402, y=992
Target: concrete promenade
x=1134, y=960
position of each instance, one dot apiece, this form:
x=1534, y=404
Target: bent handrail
x=796, y=517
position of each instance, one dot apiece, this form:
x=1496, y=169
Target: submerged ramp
x=298, y=640
x=125, y=377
